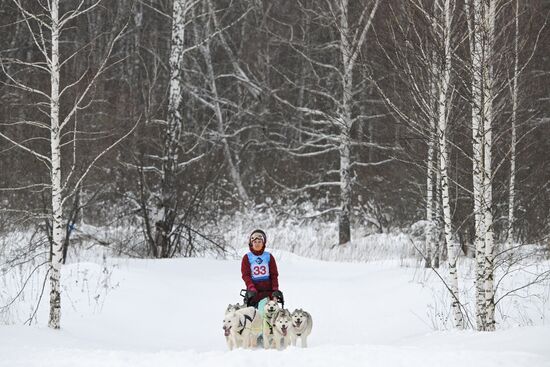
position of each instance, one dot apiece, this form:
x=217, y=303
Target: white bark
x=432, y=255
x=165, y=216
x=345, y=121
x=477, y=134
x=55, y=144
x=443, y=113
x=488, y=171
x=513, y=142
x=482, y=38
x=175, y=97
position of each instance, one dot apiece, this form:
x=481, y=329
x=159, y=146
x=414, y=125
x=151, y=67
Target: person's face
x=257, y=242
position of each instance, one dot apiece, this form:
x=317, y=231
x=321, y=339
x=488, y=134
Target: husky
x=282, y=322
x=270, y=308
x=233, y=308
x=241, y=327
x=301, y=327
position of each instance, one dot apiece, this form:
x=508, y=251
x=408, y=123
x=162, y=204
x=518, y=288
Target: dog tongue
x=226, y=331
x=284, y=330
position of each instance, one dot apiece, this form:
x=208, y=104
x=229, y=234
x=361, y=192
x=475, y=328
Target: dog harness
x=259, y=266
x=267, y=323
x=246, y=318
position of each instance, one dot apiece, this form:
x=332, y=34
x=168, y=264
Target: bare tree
x=481, y=21
x=330, y=129
x=423, y=60
x=185, y=142
x=45, y=26
x=224, y=107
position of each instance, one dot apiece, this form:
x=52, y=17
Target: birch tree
x=60, y=128
x=224, y=107
x=172, y=131
x=160, y=217
x=481, y=20
x=443, y=111
x=194, y=26
x=423, y=61
x=330, y=128
x=513, y=139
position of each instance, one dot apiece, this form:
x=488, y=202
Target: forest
x=170, y=118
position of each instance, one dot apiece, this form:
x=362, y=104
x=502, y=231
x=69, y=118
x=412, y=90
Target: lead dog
x=282, y=322
x=241, y=327
x=270, y=308
x=302, y=324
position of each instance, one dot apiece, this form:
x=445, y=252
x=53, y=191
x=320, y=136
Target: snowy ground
x=169, y=313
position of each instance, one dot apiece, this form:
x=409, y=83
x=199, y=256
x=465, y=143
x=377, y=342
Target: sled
x=243, y=294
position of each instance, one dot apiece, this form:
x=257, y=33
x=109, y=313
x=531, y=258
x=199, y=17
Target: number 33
x=260, y=270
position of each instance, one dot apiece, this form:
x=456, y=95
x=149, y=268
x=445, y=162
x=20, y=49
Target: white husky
x=241, y=327
x=301, y=327
x=282, y=322
x=270, y=308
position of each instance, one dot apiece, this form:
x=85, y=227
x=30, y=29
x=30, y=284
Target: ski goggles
x=257, y=237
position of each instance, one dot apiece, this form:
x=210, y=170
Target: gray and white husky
x=234, y=307
x=302, y=324
x=282, y=322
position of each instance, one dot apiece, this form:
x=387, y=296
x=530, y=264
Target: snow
x=169, y=313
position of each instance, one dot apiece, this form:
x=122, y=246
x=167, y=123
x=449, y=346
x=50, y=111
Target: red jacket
x=266, y=287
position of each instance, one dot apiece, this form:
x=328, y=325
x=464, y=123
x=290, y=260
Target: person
x=259, y=271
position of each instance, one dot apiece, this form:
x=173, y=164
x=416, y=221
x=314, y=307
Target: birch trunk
x=481, y=44
x=477, y=134
x=344, y=223
x=55, y=145
x=349, y=49
x=430, y=197
x=488, y=98
x=442, y=110
x=512, y=184
x=166, y=215
x=431, y=244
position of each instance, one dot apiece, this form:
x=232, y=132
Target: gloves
x=278, y=294
x=249, y=296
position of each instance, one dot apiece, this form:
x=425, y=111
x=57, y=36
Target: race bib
x=259, y=266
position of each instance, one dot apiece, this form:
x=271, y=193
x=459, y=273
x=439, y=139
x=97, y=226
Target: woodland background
x=180, y=115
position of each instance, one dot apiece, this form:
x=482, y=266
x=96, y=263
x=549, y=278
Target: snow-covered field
x=169, y=313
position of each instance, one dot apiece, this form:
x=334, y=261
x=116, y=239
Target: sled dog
x=233, y=308
x=282, y=322
x=301, y=327
x=270, y=308
x=241, y=327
